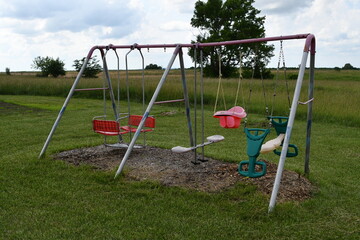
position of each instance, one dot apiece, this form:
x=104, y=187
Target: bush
x=92, y=69
x=49, y=66
x=348, y=66
x=292, y=76
x=153, y=66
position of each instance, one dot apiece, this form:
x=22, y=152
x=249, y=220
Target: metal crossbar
x=90, y=89
x=170, y=101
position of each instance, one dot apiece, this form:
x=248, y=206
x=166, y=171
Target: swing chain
x=285, y=75
x=240, y=82
x=220, y=87
x=281, y=61
x=264, y=92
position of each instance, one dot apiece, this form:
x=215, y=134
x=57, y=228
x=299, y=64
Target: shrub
x=348, y=66
x=292, y=76
x=153, y=66
x=49, y=66
x=92, y=69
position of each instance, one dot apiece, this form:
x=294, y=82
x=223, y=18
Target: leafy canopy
x=219, y=20
x=49, y=66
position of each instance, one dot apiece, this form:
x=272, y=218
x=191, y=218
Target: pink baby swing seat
x=230, y=118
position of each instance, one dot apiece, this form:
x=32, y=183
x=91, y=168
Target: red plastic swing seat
x=112, y=128
x=134, y=120
x=107, y=127
x=230, y=118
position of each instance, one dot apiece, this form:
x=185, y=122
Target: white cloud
x=30, y=9
x=135, y=4
x=175, y=26
x=334, y=24
x=74, y=16
x=181, y=6
x=284, y=7
x=20, y=26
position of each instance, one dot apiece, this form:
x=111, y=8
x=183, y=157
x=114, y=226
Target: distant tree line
x=55, y=67
x=347, y=66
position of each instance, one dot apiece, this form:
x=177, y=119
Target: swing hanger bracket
x=110, y=46
x=197, y=45
x=135, y=45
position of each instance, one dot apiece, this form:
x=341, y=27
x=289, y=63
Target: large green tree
x=219, y=20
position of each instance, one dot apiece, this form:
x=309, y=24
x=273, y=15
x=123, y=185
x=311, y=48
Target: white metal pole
x=147, y=111
x=309, y=114
x=67, y=100
x=288, y=132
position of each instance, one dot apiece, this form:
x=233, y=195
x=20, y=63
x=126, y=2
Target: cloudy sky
x=69, y=28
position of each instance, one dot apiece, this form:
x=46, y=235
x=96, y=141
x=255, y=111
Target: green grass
x=47, y=199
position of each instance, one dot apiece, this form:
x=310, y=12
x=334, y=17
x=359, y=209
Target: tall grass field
x=48, y=199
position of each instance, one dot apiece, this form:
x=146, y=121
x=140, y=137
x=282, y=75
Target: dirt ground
x=174, y=169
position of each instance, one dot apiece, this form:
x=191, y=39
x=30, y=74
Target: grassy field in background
x=46, y=199
x=333, y=91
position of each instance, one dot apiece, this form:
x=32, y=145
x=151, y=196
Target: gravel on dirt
x=174, y=169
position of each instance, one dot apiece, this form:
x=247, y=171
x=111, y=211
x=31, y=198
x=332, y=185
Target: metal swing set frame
x=309, y=47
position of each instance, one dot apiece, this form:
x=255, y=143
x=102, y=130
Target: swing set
x=231, y=118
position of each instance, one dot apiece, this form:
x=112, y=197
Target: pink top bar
x=309, y=44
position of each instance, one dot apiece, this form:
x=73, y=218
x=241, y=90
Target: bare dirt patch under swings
x=173, y=169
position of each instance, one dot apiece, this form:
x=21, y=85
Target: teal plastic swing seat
x=255, y=138
x=280, y=125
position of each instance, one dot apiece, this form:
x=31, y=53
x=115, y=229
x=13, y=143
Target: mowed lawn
x=47, y=199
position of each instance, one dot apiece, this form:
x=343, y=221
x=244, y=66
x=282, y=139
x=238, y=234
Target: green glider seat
x=280, y=124
x=255, y=138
